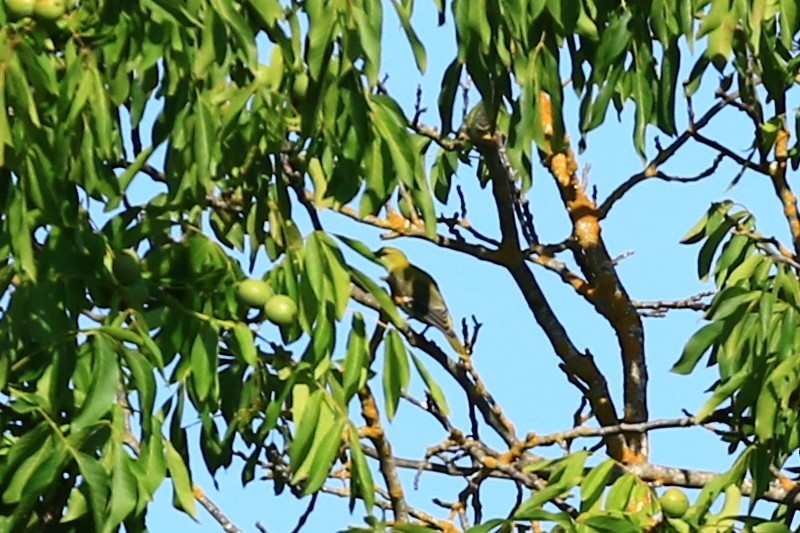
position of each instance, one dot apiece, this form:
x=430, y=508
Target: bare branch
x=485, y=403
x=375, y=433
x=660, y=308
x=197, y=492
x=663, y=156
x=727, y=152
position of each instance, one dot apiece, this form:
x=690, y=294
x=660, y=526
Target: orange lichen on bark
x=546, y=113
x=489, y=462
x=630, y=456
x=609, y=297
x=396, y=492
x=787, y=197
x=787, y=484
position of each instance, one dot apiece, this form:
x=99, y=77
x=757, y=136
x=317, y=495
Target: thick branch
x=581, y=366
x=375, y=433
x=609, y=296
x=782, y=189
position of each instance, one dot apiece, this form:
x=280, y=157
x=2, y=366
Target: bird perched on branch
x=416, y=292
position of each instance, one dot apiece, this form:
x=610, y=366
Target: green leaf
x=496, y=524
x=594, y=483
x=442, y=172
x=316, y=463
x=105, y=383
x=723, y=392
x=321, y=25
x=450, y=85
x=240, y=30
x=206, y=54
x=20, y=234
x=725, y=306
x=697, y=345
x=610, y=522
x=204, y=137
x=359, y=247
x=204, y=356
x=101, y=111
x=183, y=494
x=404, y=14
x=614, y=41
x=306, y=414
x=338, y=274
x=355, y=359
x=19, y=92
x=369, y=22
x=32, y=453
x=620, y=493
x=97, y=480
x=434, y=390
x=269, y=11
x=396, y=373
x=6, y=138
x=243, y=345
x=789, y=22
x=124, y=491
x=714, y=18
x=312, y=266
x=361, y=474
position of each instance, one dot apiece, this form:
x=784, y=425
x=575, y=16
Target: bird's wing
x=427, y=304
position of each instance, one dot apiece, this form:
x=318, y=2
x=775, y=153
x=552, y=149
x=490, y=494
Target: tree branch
x=478, y=395
x=375, y=433
x=131, y=440
x=608, y=295
x=662, y=157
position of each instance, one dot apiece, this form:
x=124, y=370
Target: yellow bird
x=417, y=293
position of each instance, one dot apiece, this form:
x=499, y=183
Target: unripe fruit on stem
x=50, y=9
x=674, y=503
x=281, y=310
x=253, y=292
x=135, y=295
x=20, y=8
x=300, y=87
x=126, y=267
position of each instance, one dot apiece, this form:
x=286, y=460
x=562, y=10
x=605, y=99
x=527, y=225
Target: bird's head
x=392, y=258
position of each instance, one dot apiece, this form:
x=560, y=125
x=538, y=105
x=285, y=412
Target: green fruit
x=20, y=8
x=281, y=310
x=300, y=87
x=253, y=292
x=50, y=9
x=674, y=503
x=136, y=294
x=126, y=267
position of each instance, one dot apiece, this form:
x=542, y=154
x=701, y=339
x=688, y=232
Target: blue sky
x=512, y=354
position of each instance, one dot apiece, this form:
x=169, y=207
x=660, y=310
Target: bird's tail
x=456, y=343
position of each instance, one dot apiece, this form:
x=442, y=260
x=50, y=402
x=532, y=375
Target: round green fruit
x=20, y=8
x=50, y=9
x=674, y=503
x=300, y=87
x=253, y=292
x=126, y=267
x=281, y=310
x=136, y=294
